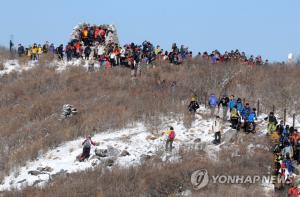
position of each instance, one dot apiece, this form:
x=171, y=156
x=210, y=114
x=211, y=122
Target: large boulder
x=112, y=151
x=229, y=136
x=101, y=152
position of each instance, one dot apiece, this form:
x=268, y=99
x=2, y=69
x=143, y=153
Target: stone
x=45, y=169
x=95, y=162
x=197, y=140
x=95, y=157
x=37, y=182
x=229, y=136
x=62, y=172
x=112, y=151
x=124, y=153
x=101, y=152
x=21, y=181
x=34, y=172
x=144, y=158
x=109, y=162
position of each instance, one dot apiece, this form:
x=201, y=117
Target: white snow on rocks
x=137, y=140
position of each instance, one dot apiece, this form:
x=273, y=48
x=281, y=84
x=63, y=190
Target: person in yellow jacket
x=170, y=136
x=235, y=118
x=39, y=51
x=275, y=137
x=34, y=52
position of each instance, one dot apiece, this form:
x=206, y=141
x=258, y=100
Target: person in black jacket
x=87, y=52
x=60, y=52
x=193, y=106
x=21, y=50
x=224, y=103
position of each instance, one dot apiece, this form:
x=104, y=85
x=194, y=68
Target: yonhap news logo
x=201, y=178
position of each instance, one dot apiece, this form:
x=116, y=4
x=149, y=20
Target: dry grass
x=30, y=102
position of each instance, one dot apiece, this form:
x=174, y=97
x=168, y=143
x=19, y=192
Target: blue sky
x=266, y=27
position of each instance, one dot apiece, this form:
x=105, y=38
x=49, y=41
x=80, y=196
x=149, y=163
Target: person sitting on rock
x=86, y=148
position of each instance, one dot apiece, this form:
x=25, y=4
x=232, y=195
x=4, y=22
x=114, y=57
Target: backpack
x=172, y=135
x=87, y=144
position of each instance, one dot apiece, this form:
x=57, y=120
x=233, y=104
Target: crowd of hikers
x=286, y=153
x=286, y=139
x=100, y=44
x=239, y=112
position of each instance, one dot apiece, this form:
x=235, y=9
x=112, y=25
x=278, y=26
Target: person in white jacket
x=217, y=129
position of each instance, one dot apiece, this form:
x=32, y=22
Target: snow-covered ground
x=15, y=66
x=136, y=139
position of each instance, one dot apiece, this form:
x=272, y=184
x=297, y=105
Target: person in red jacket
x=86, y=148
x=293, y=191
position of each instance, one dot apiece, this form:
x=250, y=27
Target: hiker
x=287, y=151
x=87, y=52
x=39, y=51
x=217, y=128
x=86, y=148
x=193, y=106
x=272, y=122
x=293, y=191
x=245, y=113
x=280, y=127
x=60, y=52
x=34, y=52
x=235, y=119
x=21, y=50
x=232, y=102
x=170, y=136
x=297, y=152
x=224, y=103
x=251, y=121
x=239, y=105
x=212, y=103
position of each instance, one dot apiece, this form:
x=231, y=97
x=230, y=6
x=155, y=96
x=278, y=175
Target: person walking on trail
x=245, y=113
x=235, y=119
x=217, y=129
x=239, y=105
x=224, y=103
x=170, y=136
x=87, y=143
x=193, y=106
x=232, y=102
x=272, y=122
x=251, y=121
x=212, y=103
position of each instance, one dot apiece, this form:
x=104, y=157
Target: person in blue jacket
x=245, y=113
x=251, y=120
x=239, y=105
x=212, y=103
x=232, y=102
